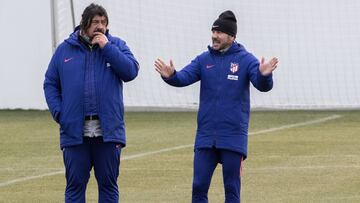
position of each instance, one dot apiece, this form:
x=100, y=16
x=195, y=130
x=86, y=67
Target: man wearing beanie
x=225, y=72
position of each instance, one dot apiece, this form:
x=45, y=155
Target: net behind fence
x=317, y=43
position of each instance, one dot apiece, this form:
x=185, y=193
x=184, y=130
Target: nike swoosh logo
x=67, y=59
x=215, y=26
x=209, y=66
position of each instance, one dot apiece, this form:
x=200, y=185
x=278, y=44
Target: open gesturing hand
x=165, y=70
x=268, y=67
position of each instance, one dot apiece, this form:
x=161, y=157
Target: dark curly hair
x=89, y=13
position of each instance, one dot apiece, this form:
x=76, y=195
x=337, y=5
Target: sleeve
x=186, y=76
x=260, y=82
x=122, y=61
x=52, y=89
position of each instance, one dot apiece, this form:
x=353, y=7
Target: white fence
x=317, y=43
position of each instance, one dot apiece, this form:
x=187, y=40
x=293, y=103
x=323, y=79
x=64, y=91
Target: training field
x=294, y=156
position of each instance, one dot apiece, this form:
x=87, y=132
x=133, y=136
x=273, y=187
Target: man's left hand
x=268, y=67
x=241, y=166
x=100, y=39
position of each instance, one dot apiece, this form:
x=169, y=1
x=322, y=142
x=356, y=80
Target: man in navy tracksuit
x=83, y=89
x=225, y=72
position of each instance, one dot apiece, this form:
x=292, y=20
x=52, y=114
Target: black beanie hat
x=226, y=23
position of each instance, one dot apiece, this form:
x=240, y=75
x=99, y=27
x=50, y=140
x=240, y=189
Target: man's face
x=221, y=40
x=98, y=24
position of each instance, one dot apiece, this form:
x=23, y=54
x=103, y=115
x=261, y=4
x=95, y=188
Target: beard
x=214, y=40
x=100, y=30
x=97, y=30
x=221, y=45
x=217, y=45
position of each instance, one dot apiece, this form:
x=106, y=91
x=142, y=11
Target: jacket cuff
x=107, y=47
x=262, y=77
x=172, y=77
x=56, y=115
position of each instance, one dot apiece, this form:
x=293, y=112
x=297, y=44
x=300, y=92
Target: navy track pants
x=79, y=160
x=205, y=162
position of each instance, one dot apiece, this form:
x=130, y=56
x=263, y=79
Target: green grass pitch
x=295, y=161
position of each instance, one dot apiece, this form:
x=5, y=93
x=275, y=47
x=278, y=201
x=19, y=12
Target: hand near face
x=165, y=70
x=268, y=67
x=100, y=39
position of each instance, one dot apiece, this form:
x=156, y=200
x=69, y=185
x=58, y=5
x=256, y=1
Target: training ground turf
x=294, y=156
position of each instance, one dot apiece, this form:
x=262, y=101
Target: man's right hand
x=166, y=71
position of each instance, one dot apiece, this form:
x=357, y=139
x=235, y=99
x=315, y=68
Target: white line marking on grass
x=343, y=197
x=156, y=152
x=321, y=120
x=30, y=178
x=29, y=169
x=304, y=167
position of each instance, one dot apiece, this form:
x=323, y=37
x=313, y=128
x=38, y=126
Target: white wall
x=24, y=52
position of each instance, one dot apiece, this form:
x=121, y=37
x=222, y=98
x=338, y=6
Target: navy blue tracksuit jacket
x=223, y=117
x=64, y=87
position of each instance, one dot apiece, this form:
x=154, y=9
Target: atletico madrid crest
x=234, y=67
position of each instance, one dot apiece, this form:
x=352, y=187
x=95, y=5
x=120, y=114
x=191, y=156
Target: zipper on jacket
x=218, y=92
x=97, y=91
x=97, y=95
x=87, y=61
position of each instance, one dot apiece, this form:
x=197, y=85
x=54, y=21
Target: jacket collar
x=235, y=47
x=75, y=40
